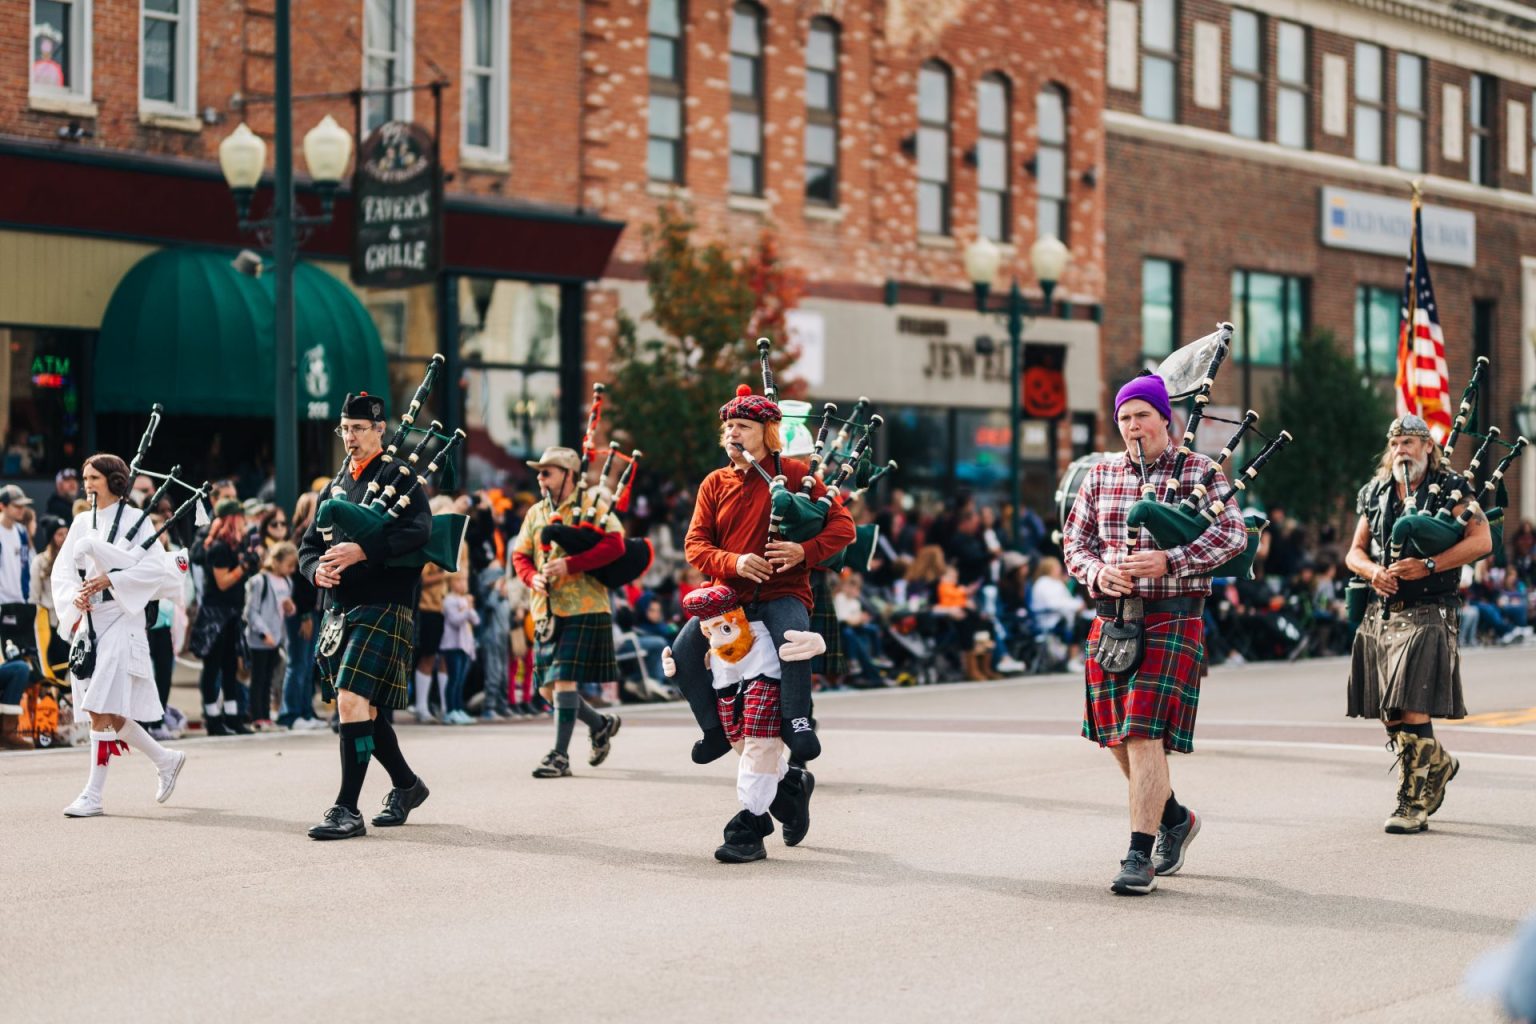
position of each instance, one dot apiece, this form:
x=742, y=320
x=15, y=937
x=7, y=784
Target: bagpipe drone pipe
x=843, y=462
x=391, y=492
x=1172, y=522
x=1434, y=529
x=593, y=504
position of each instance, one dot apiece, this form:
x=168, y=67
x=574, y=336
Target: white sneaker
x=1010, y=665
x=308, y=724
x=168, y=778
x=85, y=806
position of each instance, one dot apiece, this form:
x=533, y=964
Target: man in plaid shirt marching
x=1142, y=713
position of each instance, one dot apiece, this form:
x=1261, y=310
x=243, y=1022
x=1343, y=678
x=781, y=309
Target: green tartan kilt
x=580, y=652
x=375, y=657
x=824, y=623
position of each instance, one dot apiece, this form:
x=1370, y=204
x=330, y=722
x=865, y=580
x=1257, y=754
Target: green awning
x=188, y=330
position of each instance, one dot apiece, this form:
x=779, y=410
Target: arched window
x=1051, y=162
x=993, y=109
x=746, y=122
x=933, y=186
x=821, y=104
x=664, y=59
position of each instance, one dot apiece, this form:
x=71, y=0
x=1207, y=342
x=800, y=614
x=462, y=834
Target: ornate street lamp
x=1048, y=258
x=242, y=157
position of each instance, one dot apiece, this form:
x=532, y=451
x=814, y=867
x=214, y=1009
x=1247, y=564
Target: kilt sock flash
x=566, y=704
x=104, y=745
x=386, y=750
x=356, y=749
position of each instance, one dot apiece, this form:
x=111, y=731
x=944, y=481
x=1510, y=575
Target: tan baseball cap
x=10, y=494
x=558, y=458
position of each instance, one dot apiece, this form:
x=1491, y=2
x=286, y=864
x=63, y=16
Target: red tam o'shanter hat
x=747, y=406
x=710, y=602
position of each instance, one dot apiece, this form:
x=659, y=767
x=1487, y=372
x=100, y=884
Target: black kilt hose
x=581, y=651
x=375, y=657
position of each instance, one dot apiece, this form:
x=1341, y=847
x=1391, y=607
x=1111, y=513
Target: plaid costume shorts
x=1159, y=699
x=581, y=651
x=750, y=709
x=375, y=657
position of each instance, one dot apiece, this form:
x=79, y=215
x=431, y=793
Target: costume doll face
x=729, y=635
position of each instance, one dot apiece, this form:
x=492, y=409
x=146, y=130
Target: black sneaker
x=792, y=804
x=213, y=725
x=399, y=803
x=339, y=823
x=744, y=838
x=1168, y=855
x=236, y=725
x=602, y=740
x=554, y=766
x=1137, y=876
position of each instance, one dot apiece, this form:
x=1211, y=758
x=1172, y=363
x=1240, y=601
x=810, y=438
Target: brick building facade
x=1258, y=165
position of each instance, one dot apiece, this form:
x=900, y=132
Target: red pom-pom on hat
x=743, y=390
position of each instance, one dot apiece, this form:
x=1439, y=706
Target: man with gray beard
x=1405, y=667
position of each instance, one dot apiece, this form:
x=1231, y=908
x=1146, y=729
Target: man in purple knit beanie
x=1140, y=708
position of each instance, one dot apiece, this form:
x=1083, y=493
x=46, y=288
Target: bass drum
x=1071, y=483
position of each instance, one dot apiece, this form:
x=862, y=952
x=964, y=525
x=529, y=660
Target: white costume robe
x=123, y=682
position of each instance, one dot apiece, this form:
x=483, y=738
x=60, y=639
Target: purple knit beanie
x=1151, y=389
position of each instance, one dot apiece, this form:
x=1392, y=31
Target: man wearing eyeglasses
x=369, y=666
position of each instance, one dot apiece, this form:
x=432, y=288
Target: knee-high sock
x=104, y=744
x=133, y=734
x=589, y=716
x=757, y=777
x=566, y=703
x=423, y=691
x=386, y=750
x=442, y=691
x=356, y=749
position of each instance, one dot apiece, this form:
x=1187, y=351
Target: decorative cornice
x=1496, y=23
x=1213, y=143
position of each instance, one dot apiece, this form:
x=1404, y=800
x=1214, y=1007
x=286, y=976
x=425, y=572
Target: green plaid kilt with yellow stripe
x=824, y=623
x=581, y=651
x=375, y=657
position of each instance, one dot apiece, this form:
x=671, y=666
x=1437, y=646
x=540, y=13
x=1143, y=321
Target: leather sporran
x=1120, y=646
x=333, y=625
x=82, y=653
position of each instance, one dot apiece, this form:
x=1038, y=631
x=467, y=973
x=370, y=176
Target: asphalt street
x=957, y=868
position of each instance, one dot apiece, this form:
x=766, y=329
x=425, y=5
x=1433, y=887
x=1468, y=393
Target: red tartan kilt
x=761, y=715
x=1158, y=700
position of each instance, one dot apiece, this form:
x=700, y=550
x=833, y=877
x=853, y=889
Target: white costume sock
x=423, y=691
x=134, y=735
x=756, y=788
x=103, y=748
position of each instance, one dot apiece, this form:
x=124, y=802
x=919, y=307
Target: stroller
x=26, y=633
x=913, y=652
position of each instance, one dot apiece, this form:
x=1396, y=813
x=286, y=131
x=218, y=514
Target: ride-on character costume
x=366, y=638
x=747, y=669
x=731, y=521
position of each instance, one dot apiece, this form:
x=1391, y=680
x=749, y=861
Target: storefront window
x=1269, y=312
x=1377, y=311
x=41, y=419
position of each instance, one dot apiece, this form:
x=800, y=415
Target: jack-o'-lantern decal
x=1044, y=387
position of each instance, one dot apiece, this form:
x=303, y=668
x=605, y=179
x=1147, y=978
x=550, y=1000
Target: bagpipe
x=1173, y=521
x=843, y=461
x=1434, y=529
x=592, y=505
x=389, y=494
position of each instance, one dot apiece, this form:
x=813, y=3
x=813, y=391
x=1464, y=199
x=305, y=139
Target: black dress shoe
x=236, y=725
x=399, y=803
x=744, y=838
x=339, y=823
x=213, y=725
x=792, y=804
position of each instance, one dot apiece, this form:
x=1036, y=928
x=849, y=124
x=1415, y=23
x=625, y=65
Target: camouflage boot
x=1442, y=769
x=1412, y=813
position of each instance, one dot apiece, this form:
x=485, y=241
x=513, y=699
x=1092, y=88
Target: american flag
x=1423, y=384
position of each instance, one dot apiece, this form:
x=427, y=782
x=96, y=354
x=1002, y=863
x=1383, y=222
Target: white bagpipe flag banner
x=1423, y=382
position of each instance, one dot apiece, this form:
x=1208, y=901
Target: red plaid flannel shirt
x=1095, y=534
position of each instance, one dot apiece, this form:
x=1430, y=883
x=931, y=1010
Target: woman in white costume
x=101, y=571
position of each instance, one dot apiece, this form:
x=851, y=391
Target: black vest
x=1379, y=503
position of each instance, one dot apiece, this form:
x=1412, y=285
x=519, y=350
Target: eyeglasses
x=353, y=431
x=279, y=522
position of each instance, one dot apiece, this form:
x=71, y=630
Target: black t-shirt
x=221, y=556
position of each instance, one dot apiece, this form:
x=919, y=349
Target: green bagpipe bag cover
x=361, y=523
x=857, y=555
x=800, y=517
x=1174, y=526
x=1425, y=536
